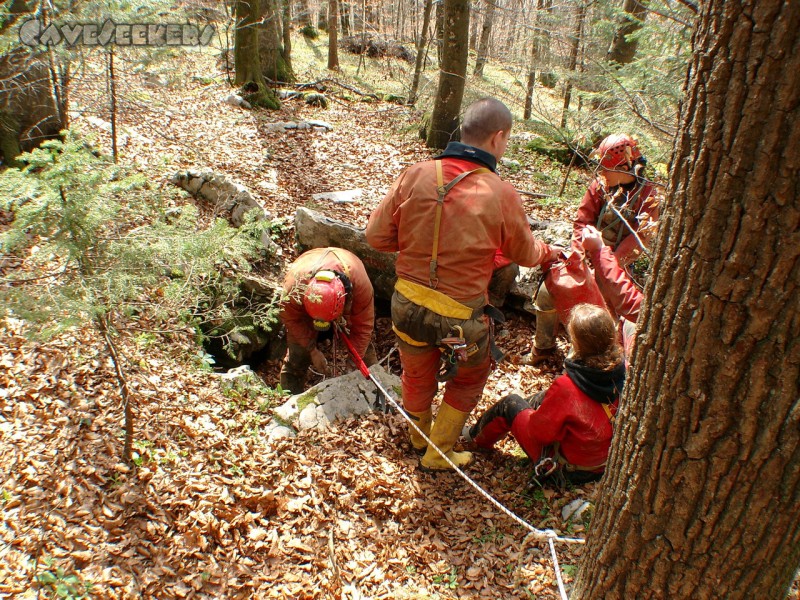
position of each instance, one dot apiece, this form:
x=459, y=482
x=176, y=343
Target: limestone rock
x=338, y=398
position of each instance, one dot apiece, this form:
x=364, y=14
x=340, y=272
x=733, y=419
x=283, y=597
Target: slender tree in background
x=333, y=35
x=473, y=26
x=245, y=56
x=544, y=16
x=439, y=36
x=575, y=44
x=287, y=34
x=422, y=46
x=486, y=32
x=452, y=74
x=701, y=497
x=623, y=47
x=535, y=53
x=304, y=14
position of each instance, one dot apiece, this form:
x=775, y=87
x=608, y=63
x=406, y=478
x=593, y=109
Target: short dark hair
x=484, y=118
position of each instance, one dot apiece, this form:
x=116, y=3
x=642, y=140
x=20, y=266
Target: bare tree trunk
x=573, y=59
x=333, y=41
x=272, y=55
x=623, y=49
x=532, y=64
x=304, y=14
x=287, y=34
x=702, y=494
x=344, y=20
x=421, y=48
x=473, y=28
x=439, y=30
x=246, y=56
x=546, y=76
x=486, y=32
x=452, y=74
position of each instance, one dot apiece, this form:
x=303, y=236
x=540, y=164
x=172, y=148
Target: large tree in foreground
x=452, y=73
x=702, y=493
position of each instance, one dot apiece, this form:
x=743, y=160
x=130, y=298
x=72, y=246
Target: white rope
x=538, y=534
x=561, y=589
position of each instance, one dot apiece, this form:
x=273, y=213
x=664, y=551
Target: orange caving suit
x=480, y=215
x=359, y=311
x=633, y=200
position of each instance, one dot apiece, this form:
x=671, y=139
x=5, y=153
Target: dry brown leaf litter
x=212, y=511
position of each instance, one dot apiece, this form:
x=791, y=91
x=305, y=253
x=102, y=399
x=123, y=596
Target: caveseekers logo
x=34, y=33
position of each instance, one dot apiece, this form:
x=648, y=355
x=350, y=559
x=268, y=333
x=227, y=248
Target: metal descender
x=454, y=350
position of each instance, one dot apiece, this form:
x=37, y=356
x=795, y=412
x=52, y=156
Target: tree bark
x=546, y=76
x=486, y=32
x=245, y=55
x=623, y=49
x=452, y=74
x=573, y=59
x=473, y=30
x=702, y=495
x=304, y=14
x=533, y=60
x=287, y=35
x=272, y=54
x=421, y=49
x=439, y=29
x=333, y=38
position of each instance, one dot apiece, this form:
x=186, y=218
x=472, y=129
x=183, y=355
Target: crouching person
x=322, y=286
x=568, y=428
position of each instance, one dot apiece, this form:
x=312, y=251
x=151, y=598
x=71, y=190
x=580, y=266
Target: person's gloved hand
x=319, y=361
x=592, y=239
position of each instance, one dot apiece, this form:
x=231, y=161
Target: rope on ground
x=561, y=589
x=537, y=534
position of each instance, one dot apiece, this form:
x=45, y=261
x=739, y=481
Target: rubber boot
x=444, y=434
x=423, y=421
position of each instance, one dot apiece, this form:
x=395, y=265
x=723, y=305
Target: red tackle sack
x=571, y=282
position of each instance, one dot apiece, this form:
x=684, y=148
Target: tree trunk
x=473, y=29
x=534, y=57
x=421, y=49
x=623, y=49
x=333, y=38
x=304, y=14
x=344, y=20
x=702, y=495
x=546, y=76
x=245, y=55
x=272, y=55
x=486, y=32
x=573, y=60
x=287, y=35
x=439, y=29
x=452, y=73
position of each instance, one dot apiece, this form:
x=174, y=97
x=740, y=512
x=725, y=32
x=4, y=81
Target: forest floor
x=211, y=510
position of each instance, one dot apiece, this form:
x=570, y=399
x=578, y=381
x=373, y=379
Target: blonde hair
x=594, y=337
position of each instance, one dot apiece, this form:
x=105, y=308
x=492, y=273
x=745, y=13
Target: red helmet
x=324, y=299
x=618, y=150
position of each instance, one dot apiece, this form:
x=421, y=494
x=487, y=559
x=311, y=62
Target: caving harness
x=554, y=466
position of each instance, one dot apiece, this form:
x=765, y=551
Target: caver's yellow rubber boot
x=444, y=434
x=423, y=421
